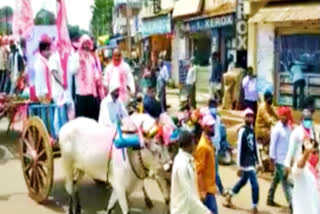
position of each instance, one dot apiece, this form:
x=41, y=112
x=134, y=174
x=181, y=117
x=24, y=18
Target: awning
x=288, y=13
x=186, y=8
x=219, y=7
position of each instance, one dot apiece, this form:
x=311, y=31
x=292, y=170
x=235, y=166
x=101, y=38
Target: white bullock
x=87, y=148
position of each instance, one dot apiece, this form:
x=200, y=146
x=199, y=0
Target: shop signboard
x=208, y=23
x=156, y=25
x=241, y=27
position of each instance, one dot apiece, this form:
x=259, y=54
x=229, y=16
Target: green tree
x=6, y=14
x=45, y=17
x=101, y=22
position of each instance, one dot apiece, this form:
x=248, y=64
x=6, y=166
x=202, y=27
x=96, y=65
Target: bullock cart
x=39, y=146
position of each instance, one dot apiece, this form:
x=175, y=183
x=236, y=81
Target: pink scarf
x=48, y=76
x=122, y=80
x=315, y=172
x=87, y=79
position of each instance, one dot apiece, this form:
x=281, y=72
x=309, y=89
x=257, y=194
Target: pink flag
x=23, y=18
x=64, y=45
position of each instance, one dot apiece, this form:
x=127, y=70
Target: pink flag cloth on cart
x=64, y=45
x=23, y=18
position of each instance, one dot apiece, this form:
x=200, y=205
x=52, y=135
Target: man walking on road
x=279, y=146
x=205, y=165
x=215, y=78
x=191, y=84
x=248, y=159
x=184, y=195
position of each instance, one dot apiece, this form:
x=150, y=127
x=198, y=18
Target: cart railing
x=53, y=116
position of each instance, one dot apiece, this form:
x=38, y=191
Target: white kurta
x=184, y=194
x=111, y=111
x=113, y=73
x=305, y=194
x=40, y=82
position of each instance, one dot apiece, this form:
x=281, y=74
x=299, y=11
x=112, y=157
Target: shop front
x=288, y=51
x=206, y=35
x=156, y=34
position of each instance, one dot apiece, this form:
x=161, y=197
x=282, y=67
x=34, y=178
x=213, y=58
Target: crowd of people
x=293, y=151
x=102, y=92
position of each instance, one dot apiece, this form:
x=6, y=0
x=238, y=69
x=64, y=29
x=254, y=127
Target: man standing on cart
x=87, y=79
x=43, y=81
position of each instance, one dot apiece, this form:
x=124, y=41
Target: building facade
x=202, y=27
x=284, y=43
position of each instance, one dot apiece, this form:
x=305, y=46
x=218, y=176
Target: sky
x=78, y=11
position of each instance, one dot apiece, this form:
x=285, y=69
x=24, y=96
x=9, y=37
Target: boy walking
x=248, y=159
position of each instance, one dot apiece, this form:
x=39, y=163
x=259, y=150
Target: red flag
x=64, y=45
x=23, y=18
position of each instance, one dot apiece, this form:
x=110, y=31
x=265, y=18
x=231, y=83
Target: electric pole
x=128, y=16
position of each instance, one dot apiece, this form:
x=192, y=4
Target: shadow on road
x=8, y=196
x=9, y=146
x=94, y=199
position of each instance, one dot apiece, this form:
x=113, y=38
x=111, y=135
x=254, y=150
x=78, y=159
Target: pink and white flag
x=64, y=45
x=23, y=18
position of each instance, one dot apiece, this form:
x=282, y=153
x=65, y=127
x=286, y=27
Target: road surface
x=14, y=197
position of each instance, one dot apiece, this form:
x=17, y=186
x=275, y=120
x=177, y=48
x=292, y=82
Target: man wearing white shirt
x=119, y=71
x=112, y=109
x=62, y=97
x=162, y=80
x=43, y=81
x=279, y=146
x=249, y=85
x=191, y=84
x=184, y=195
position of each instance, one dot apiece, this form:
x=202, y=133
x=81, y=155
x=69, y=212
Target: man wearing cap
x=184, y=195
x=247, y=161
x=43, y=78
x=87, y=79
x=205, y=165
x=279, y=145
x=112, y=109
x=119, y=71
x=191, y=83
x=266, y=118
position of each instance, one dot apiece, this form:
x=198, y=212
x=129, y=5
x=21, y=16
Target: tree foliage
x=101, y=22
x=6, y=14
x=45, y=17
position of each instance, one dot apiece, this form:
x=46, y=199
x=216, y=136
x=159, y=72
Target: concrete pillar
x=265, y=57
x=178, y=53
x=252, y=46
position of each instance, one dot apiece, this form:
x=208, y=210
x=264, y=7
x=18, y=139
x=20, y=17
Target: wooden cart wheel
x=37, y=159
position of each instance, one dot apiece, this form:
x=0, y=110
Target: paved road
x=14, y=198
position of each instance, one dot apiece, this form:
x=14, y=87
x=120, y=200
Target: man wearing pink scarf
x=87, y=79
x=43, y=84
x=119, y=72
